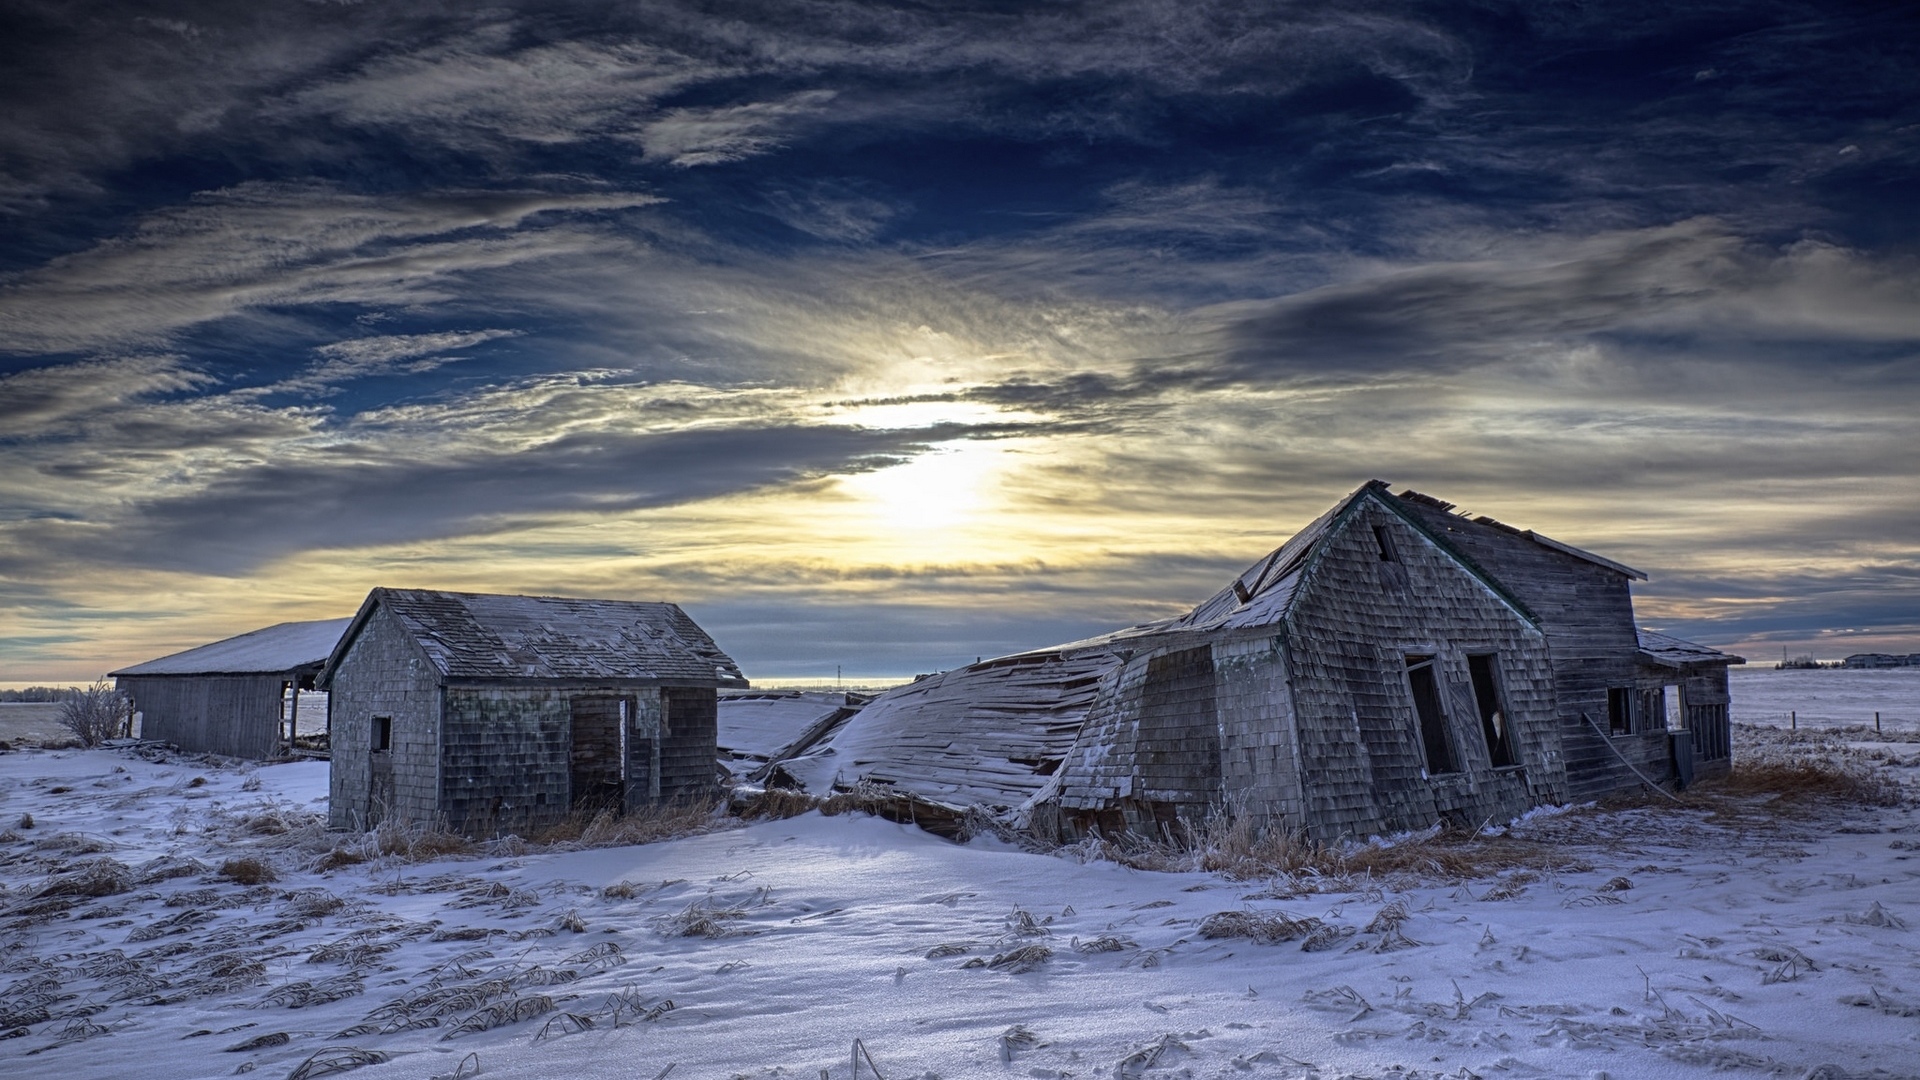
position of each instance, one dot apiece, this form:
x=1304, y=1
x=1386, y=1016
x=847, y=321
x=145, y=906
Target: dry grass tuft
x=1228, y=844
x=414, y=842
x=757, y=804
x=337, y=858
x=648, y=825
x=1020, y=961
x=335, y=1059
x=248, y=870
x=1262, y=928
x=703, y=919
x=1802, y=781
x=97, y=877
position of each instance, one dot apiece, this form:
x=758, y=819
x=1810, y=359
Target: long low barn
x=239, y=696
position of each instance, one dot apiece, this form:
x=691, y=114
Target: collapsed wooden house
x=499, y=714
x=1374, y=673
x=239, y=696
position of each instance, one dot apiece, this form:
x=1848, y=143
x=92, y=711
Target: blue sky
x=882, y=336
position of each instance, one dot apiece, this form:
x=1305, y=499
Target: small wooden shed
x=501, y=714
x=239, y=696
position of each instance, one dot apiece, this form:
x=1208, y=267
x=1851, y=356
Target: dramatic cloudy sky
x=890, y=335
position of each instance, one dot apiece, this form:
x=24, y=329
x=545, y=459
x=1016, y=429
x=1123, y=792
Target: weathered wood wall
x=383, y=674
x=1309, y=724
x=235, y=715
x=1354, y=621
x=689, y=743
x=1587, y=612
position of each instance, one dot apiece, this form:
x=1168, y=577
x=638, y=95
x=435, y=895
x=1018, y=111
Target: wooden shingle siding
x=504, y=766
x=385, y=676
x=1355, y=619
x=689, y=760
x=522, y=745
x=1586, y=610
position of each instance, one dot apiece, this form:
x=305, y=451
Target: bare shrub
x=248, y=870
x=95, y=714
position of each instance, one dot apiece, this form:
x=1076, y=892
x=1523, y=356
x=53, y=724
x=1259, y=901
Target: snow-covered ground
x=1826, y=697
x=1748, y=940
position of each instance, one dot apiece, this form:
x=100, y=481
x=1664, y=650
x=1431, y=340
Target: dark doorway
x=1494, y=722
x=1433, y=719
x=596, y=766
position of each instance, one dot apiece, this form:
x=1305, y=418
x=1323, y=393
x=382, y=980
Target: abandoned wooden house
x=1631, y=702
x=500, y=714
x=239, y=696
x=1367, y=676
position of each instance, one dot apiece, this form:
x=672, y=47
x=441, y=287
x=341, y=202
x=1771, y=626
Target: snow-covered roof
x=987, y=734
x=757, y=725
x=275, y=649
x=487, y=636
x=1668, y=649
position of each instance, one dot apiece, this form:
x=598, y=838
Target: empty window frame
x=1425, y=687
x=383, y=733
x=1619, y=710
x=1673, y=708
x=1483, y=668
x=1383, y=538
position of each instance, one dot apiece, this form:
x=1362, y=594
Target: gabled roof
x=487, y=636
x=274, y=650
x=1674, y=652
x=1424, y=506
x=1263, y=593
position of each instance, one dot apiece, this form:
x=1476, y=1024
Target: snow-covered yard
x=1749, y=939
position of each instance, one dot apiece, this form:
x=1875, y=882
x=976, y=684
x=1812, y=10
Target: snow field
x=1740, y=941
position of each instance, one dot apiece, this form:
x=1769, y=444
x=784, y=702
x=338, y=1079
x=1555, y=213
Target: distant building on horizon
x=1881, y=660
x=500, y=714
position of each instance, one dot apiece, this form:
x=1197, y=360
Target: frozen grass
x=1791, y=783
x=1228, y=844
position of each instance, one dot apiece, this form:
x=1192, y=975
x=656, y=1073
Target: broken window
x=1619, y=710
x=1493, y=710
x=1384, y=539
x=1433, y=719
x=1676, y=715
x=383, y=733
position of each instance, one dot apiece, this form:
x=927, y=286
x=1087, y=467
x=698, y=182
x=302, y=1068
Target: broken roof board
x=977, y=735
x=761, y=724
x=275, y=649
x=1667, y=649
x=488, y=636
